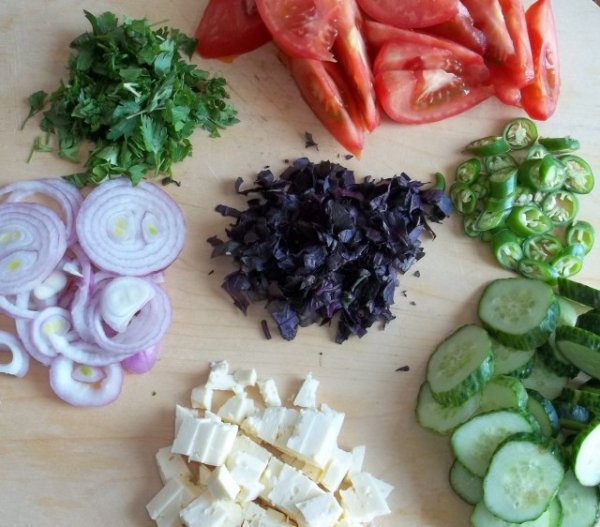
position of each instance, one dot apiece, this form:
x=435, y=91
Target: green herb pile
x=133, y=96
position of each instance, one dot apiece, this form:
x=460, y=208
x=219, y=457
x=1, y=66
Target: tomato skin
x=540, y=98
x=410, y=14
x=321, y=85
x=401, y=95
x=414, y=56
x=520, y=65
x=229, y=28
x=351, y=51
x=302, y=28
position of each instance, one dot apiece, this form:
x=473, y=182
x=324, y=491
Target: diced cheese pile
x=262, y=464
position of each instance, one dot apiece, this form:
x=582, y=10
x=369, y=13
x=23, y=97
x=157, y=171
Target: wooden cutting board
x=64, y=466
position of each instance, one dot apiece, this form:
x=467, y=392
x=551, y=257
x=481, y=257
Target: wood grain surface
x=64, y=466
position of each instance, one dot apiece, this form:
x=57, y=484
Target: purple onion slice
x=19, y=363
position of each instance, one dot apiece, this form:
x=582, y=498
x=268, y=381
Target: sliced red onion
x=17, y=306
x=32, y=242
x=19, y=363
x=83, y=352
x=130, y=230
x=65, y=381
x=89, y=374
x=122, y=298
x=51, y=322
x=145, y=329
x=23, y=327
x=66, y=195
x=142, y=361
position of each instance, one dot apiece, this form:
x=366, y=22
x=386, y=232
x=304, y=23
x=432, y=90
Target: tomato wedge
x=461, y=29
x=323, y=88
x=302, y=28
x=425, y=96
x=539, y=99
x=410, y=14
x=351, y=51
x=229, y=28
x=415, y=56
x=520, y=65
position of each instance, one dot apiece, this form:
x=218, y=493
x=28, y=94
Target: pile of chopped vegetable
x=249, y=459
x=519, y=193
x=315, y=243
x=83, y=284
x=132, y=95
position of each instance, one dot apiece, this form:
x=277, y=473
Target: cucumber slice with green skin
x=511, y=361
x=589, y=321
x=578, y=292
x=544, y=413
x=584, y=455
x=571, y=416
x=439, y=418
x=544, y=380
x=554, y=361
x=524, y=476
x=519, y=312
x=465, y=484
x=461, y=365
x=580, y=505
x=555, y=512
x=588, y=398
x=568, y=313
x=482, y=517
x=503, y=392
x=581, y=348
x=475, y=441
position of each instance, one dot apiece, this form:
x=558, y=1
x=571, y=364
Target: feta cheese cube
x=182, y=412
x=222, y=485
x=336, y=469
x=246, y=462
x=237, y=408
x=307, y=395
x=202, y=397
x=245, y=377
x=274, y=425
x=363, y=501
x=175, y=494
x=269, y=393
x=358, y=459
x=171, y=465
x=256, y=516
x=320, y=511
x=219, y=377
x=203, y=512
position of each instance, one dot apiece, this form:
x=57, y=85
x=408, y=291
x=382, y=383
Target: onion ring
x=130, y=230
x=19, y=363
x=142, y=361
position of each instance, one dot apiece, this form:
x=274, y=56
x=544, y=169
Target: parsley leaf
x=134, y=98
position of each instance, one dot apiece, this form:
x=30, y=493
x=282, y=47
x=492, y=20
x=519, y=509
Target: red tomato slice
x=539, y=98
x=302, y=28
x=350, y=50
x=425, y=96
x=413, y=56
x=519, y=65
x=229, y=28
x=461, y=29
x=410, y=14
x=322, y=87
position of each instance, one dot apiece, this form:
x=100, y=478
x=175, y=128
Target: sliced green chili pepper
x=581, y=233
x=503, y=182
x=500, y=204
x=489, y=220
x=537, y=151
x=579, y=176
x=481, y=187
x=494, y=163
x=542, y=247
x=488, y=146
x=545, y=174
x=559, y=145
x=468, y=171
x=463, y=198
x=561, y=206
x=569, y=261
x=527, y=220
x=469, y=221
x=538, y=270
x=440, y=182
x=523, y=195
x=507, y=248
x=520, y=133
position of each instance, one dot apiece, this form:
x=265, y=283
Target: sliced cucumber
x=568, y=313
x=590, y=320
x=511, y=361
x=519, y=312
x=503, y=392
x=579, y=504
x=524, y=476
x=555, y=512
x=584, y=455
x=544, y=413
x=467, y=485
x=588, y=398
x=482, y=517
x=461, y=365
x=554, y=360
x=581, y=348
x=474, y=442
x=544, y=380
x=439, y=418
x=578, y=292
x=571, y=416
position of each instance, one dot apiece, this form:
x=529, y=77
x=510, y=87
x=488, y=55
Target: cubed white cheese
x=175, y=494
x=245, y=377
x=202, y=397
x=219, y=377
x=385, y=489
x=358, y=459
x=315, y=435
x=222, y=485
x=171, y=465
x=181, y=413
x=321, y=511
x=257, y=516
x=307, y=395
x=203, y=475
x=246, y=462
x=274, y=425
x=269, y=393
x=204, y=512
x=336, y=469
x=237, y=408
x=363, y=502
x=213, y=442
x=185, y=435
